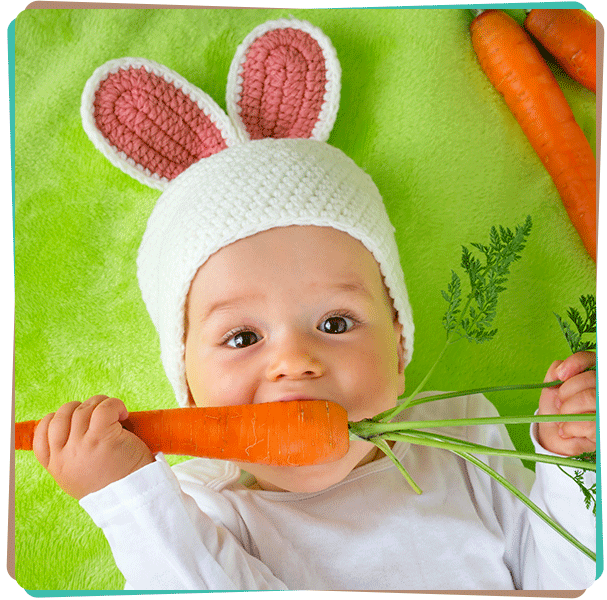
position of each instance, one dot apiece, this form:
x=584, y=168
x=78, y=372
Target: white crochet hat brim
x=244, y=190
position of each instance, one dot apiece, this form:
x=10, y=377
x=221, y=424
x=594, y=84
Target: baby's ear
x=150, y=122
x=400, y=348
x=400, y=344
x=284, y=82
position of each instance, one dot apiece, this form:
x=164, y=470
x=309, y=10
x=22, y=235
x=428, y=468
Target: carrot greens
x=578, y=476
x=583, y=325
x=469, y=315
x=487, y=279
x=487, y=276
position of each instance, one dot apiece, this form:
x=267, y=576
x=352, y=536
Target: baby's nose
x=294, y=360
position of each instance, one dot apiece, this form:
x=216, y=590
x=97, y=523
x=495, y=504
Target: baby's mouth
x=297, y=397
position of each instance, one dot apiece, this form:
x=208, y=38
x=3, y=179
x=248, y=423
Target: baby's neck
x=372, y=455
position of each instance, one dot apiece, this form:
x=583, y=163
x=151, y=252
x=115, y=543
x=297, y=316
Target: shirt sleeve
x=161, y=540
x=538, y=556
x=561, y=498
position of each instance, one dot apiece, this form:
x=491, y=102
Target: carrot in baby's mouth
x=294, y=433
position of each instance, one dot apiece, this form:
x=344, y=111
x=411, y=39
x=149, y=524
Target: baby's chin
x=309, y=479
x=294, y=479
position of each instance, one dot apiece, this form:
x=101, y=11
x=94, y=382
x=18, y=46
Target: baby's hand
x=576, y=395
x=84, y=446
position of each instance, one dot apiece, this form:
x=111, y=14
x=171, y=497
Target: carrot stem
x=382, y=444
x=412, y=400
x=466, y=450
x=389, y=414
x=529, y=503
x=484, y=390
x=435, y=440
x=368, y=428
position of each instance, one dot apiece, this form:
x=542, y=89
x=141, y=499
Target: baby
x=270, y=270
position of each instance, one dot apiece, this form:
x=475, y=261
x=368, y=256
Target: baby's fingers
x=582, y=401
x=106, y=416
x=582, y=385
x=59, y=426
x=583, y=430
x=82, y=415
x=575, y=364
x=40, y=444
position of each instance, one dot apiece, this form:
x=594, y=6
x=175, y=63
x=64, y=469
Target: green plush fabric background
x=417, y=113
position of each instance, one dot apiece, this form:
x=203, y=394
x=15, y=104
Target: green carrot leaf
x=589, y=493
x=582, y=325
x=486, y=276
x=453, y=296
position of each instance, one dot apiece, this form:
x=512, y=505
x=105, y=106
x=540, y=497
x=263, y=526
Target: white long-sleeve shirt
x=196, y=527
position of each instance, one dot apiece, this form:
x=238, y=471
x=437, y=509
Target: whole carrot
x=295, y=433
x=570, y=36
x=517, y=70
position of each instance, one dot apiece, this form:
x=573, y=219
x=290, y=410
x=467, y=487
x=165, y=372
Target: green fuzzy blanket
x=417, y=113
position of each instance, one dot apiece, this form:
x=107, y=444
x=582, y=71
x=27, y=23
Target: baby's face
x=296, y=312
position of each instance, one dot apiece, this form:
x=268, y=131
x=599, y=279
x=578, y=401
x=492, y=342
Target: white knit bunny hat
x=224, y=177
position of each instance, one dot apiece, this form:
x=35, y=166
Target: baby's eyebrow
x=357, y=287
x=352, y=287
x=228, y=303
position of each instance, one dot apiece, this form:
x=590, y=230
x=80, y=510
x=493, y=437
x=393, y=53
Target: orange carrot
x=570, y=36
x=295, y=433
x=517, y=70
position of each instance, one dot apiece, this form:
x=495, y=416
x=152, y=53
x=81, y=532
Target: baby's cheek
x=229, y=389
x=371, y=390
x=370, y=397
x=212, y=382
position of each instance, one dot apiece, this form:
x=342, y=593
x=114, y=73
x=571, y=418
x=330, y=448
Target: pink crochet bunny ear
x=150, y=122
x=284, y=82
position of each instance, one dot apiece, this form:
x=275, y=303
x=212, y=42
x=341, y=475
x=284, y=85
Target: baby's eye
x=336, y=324
x=242, y=339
